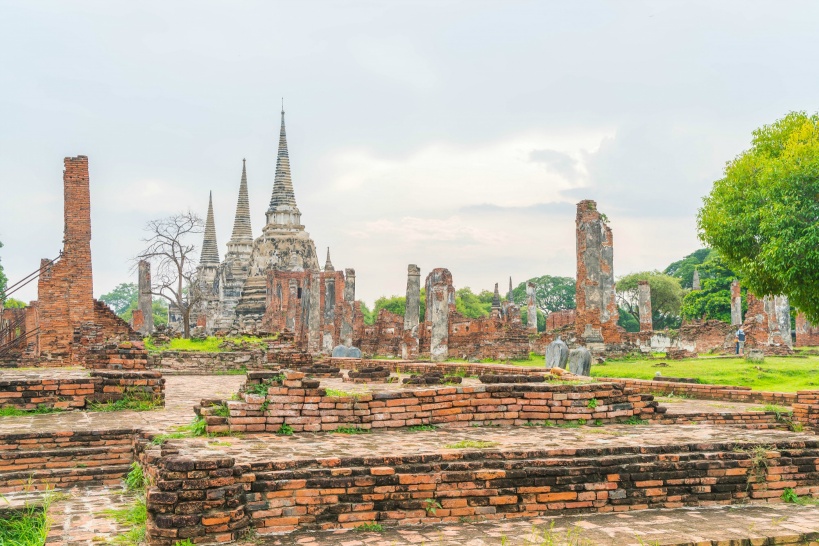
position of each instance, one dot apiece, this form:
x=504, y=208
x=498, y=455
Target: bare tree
x=173, y=258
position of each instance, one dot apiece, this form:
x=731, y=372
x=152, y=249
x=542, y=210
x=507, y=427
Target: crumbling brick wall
x=65, y=288
x=558, y=319
x=807, y=335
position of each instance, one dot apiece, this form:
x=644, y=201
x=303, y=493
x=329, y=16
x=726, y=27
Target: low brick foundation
x=64, y=459
x=304, y=406
x=74, y=390
x=216, y=499
x=201, y=363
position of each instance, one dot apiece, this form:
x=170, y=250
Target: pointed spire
x=210, y=252
x=242, y=232
x=509, y=294
x=496, y=298
x=283, y=186
x=328, y=265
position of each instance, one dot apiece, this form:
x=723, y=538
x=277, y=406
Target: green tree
x=763, y=215
x=551, y=293
x=628, y=321
x=121, y=298
x=393, y=304
x=369, y=316
x=666, y=297
x=541, y=318
x=473, y=305
x=12, y=303
x=684, y=269
x=714, y=300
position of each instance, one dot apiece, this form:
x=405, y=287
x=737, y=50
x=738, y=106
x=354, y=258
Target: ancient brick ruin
x=596, y=314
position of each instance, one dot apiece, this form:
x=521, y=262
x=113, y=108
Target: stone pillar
x=292, y=304
x=597, y=313
x=412, y=313
x=783, y=317
x=440, y=301
x=736, y=304
x=531, y=306
x=695, y=281
x=145, y=300
x=346, y=333
x=644, y=305
x=314, y=317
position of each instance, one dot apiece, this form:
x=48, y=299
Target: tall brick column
x=145, y=299
x=531, y=306
x=412, y=313
x=644, y=305
x=736, y=304
x=65, y=290
x=597, y=313
x=440, y=301
x=346, y=330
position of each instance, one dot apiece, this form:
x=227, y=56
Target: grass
x=134, y=516
x=11, y=411
x=209, y=345
x=371, y=527
x=135, y=480
x=474, y=444
x=335, y=393
x=781, y=374
x=422, y=428
x=196, y=428
x=790, y=496
x=28, y=526
x=134, y=401
x=285, y=430
x=351, y=430
x=771, y=407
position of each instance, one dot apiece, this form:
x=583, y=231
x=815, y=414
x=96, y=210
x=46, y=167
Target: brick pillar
x=597, y=313
x=736, y=304
x=346, y=331
x=644, y=305
x=412, y=313
x=440, y=301
x=314, y=318
x=531, y=306
x=145, y=299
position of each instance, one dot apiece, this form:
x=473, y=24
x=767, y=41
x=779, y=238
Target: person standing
x=740, y=341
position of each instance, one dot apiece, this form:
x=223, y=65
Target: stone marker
x=580, y=361
x=341, y=351
x=755, y=355
x=557, y=354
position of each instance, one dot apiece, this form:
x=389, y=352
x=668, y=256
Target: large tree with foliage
x=125, y=298
x=713, y=301
x=763, y=215
x=551, y=293
x=684, y=269
x=666, y=297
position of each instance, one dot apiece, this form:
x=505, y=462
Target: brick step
x=59, y=440
x=62, y=478
x=75, y=457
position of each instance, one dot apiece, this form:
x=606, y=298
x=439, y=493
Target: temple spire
x=210, y=252
x=328, y=265
x=496, y=298
x=283, y=199
x=509, y=294
x=242, y=232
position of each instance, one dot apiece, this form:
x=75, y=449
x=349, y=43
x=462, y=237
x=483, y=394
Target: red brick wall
x=807, y=335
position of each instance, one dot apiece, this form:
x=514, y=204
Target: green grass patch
x=134, y=516
x=351, y=430
x=196, y=428
x=335, y=393
x=474, y=444
x=208, y=345
x=131, y=400
x=285, y=430
x=634, y=420
x=771, y=407
x=422, y=428
x=790, y=496
x=28, y=526
x=546, y=423
x=135, y=480
x=11, y=411
x=782, y=374
x=371, y=527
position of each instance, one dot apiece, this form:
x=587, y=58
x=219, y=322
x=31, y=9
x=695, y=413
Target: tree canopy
x=684, y=269
x=125, y=298
x=12, y=303
x=763, y=215
x=713, y=301
x=551, y=293
x=666, y=298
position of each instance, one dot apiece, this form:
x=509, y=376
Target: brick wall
x=706, y=392
x=201, y=363
x=303, y=405
x=215, y=499
x=807, y=335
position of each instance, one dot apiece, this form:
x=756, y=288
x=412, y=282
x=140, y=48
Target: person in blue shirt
x=740, y=339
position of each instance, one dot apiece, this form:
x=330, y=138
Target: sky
x=444, y=133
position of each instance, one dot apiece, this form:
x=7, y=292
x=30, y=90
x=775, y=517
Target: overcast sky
x=455, y=134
